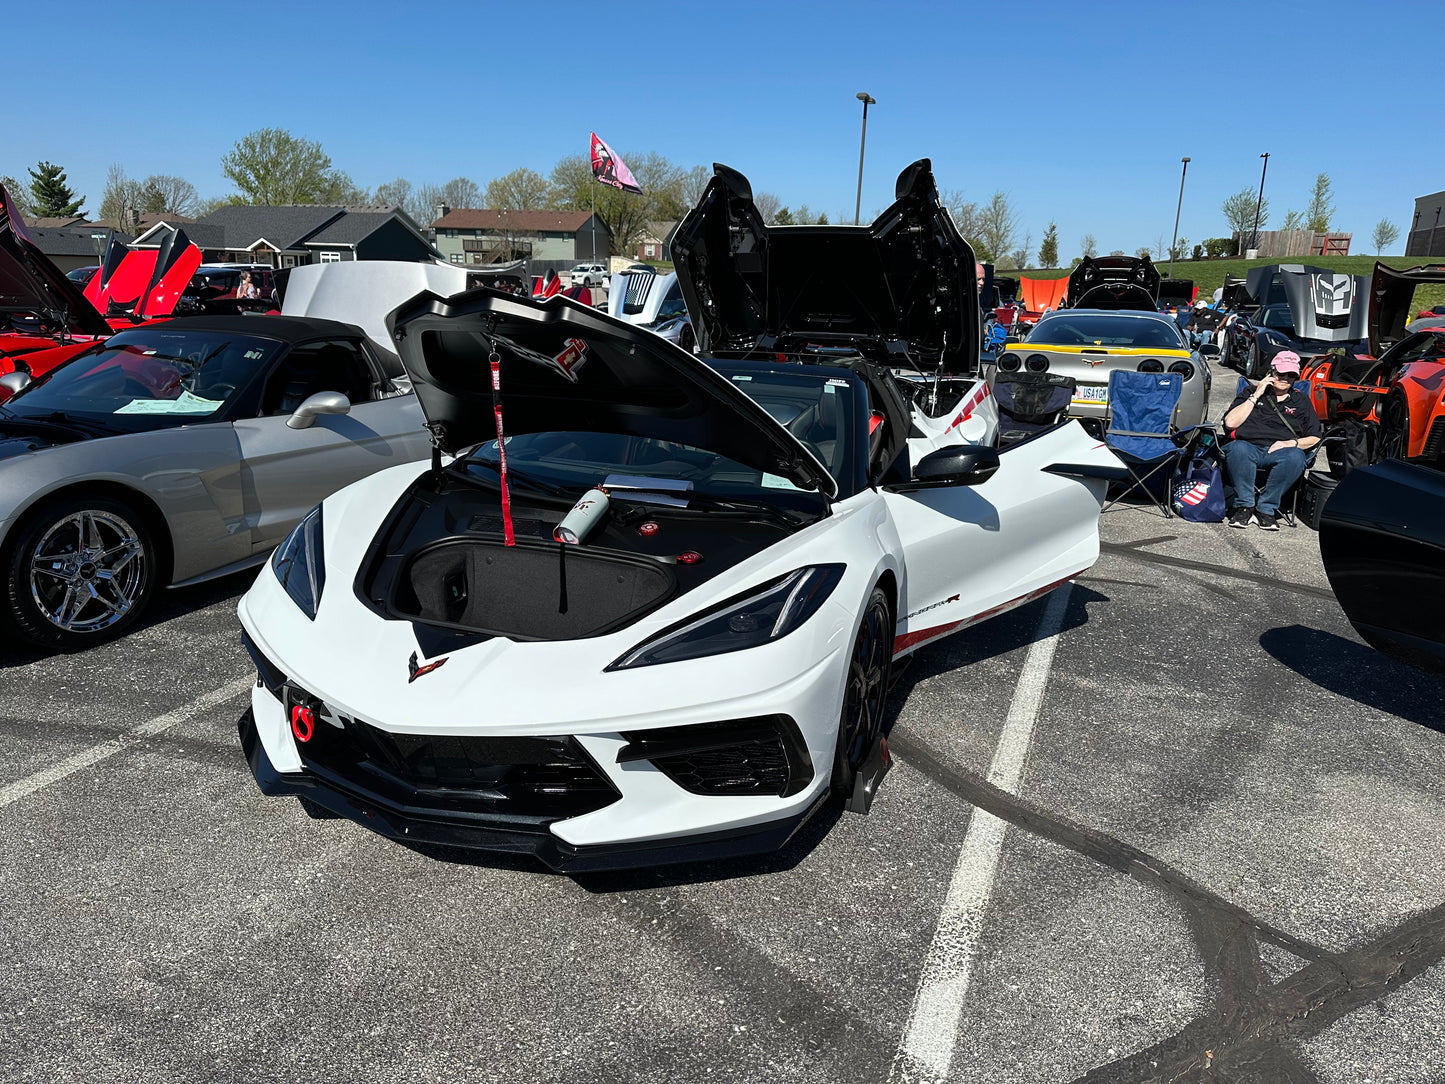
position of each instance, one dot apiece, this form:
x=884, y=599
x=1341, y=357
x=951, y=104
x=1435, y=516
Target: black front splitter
x=557, y=854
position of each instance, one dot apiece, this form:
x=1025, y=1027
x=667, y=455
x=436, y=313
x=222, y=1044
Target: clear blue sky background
x=1079, y=111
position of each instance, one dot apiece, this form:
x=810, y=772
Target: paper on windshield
x=185, y=403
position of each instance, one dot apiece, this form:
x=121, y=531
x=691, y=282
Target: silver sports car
x=180, y=451
x=1089, y=344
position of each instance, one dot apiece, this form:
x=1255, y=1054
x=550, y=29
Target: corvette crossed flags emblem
x=421, y=671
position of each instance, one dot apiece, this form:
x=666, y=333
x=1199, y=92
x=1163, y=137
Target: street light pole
x=867, y=100
x=1254, y=235
x=1175, y=243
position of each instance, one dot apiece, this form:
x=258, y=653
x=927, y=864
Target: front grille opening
x=761, y=755
x=539, y=779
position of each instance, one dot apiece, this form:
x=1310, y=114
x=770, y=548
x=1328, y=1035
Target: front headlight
x=300, y=564
x=759, y=617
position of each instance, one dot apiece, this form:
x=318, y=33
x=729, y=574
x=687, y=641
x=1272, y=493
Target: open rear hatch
x=29, y=282
x=1391, y=294
x=901, y=291
x=1324, y=306
x=1114, y=282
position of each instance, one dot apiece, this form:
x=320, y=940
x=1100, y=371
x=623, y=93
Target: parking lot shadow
x=998, y=636
x=165, y=606
x=1360, y=673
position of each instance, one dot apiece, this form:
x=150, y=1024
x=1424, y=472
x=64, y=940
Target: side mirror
x=323, y=402
x=965, y=465
x=11, y=383
x=1209, y=350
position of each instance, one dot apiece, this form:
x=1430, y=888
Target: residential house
x=487, y=235
x=69, y=247
x=656, y=240
x=299, y=234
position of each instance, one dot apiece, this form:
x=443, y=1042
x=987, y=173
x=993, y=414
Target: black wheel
x=1254, y=364
x=79, y=571
x=865, y=691
x=686, y=340
x=1394, y=427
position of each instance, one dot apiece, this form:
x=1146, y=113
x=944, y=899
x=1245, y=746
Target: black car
x=1309, y=310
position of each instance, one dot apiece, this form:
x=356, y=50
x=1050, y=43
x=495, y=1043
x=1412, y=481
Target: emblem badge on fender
x=421, y=671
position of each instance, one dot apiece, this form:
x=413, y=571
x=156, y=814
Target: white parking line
x=96, y=753
x=926, y=1052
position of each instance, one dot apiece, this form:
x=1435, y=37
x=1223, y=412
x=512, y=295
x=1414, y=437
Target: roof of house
x=147, y=219
x=357, y=224
x=661, y=231
x=243, y=225
x=486, y=218
x=72, y=240
x=53, y=221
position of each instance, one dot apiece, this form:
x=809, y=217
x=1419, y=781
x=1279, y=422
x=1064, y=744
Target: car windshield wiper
x=57, y=419
x=717, y=504
x=516, y=477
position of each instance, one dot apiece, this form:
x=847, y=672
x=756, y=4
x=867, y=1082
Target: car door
x=971, y=552
x=286, y=471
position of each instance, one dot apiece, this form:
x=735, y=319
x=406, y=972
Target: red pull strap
x=507, y=536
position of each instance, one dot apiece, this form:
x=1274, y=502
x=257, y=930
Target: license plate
x=1091, y=393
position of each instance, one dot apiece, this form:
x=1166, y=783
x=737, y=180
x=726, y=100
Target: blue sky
x=1079, y=111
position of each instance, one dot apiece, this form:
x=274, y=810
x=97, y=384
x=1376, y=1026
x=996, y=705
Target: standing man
x=1270, y=425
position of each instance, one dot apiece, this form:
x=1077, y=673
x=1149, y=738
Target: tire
x=686, y=340
x=79, y=571
x=865, y=693
x=1394, y=427
x=1254, y=364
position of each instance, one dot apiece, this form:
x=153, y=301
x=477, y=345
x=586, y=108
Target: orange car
x=1397, y=390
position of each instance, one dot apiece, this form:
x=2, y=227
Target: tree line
x=271, y=166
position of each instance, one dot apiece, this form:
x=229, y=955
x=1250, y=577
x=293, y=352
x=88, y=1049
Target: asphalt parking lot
x=1177, y=823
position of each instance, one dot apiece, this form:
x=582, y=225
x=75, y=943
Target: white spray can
x=585, y=515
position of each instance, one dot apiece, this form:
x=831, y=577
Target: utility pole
x=1175, y=243
x=1254, y=236
x=867, y=100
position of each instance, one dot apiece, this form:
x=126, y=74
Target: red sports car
x=45, y=319
x=1397, y=391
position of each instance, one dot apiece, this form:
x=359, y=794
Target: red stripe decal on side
x=913, y=639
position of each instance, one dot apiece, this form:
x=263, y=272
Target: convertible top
x=287, y=329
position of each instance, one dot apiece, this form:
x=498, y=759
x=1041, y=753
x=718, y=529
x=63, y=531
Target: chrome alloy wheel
x=87, y=571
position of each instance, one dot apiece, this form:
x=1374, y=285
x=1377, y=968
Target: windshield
x=186, y=375
x=1099, y=329
x=1277, y=316
x=814, y=409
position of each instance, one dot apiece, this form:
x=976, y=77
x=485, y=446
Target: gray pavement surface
x=1223, y=863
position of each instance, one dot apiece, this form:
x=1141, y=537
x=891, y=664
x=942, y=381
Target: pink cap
x=1286, y=361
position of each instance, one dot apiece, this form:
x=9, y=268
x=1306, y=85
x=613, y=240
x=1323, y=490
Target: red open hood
x=30, y=282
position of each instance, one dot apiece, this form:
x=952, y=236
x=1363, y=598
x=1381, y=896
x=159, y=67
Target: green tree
x=1320, y=210
x=1385, y=235
x=1049, y=246
x=997, y=225
x=1293, y=220
x=395, y=193
x=522, y=189
x=19, y=197
x=168, y=195
x=694, y=183
x=784, y=217
x=1239, y=208
x=50, y=196
x=1089, y=245
x=270, y=166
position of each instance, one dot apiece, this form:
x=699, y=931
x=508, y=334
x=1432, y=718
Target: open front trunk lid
x=565, y=367
x=1114, y=282
x=28, y=280
x=1391, y=292
x=900, y=291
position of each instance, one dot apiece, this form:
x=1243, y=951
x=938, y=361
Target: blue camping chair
x=1289, y=503
x=997, y=337
x=1029, y=403
x=1141, y=433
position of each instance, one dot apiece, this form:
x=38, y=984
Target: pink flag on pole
x=609, y=169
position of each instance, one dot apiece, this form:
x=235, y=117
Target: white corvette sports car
x=656, y=621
